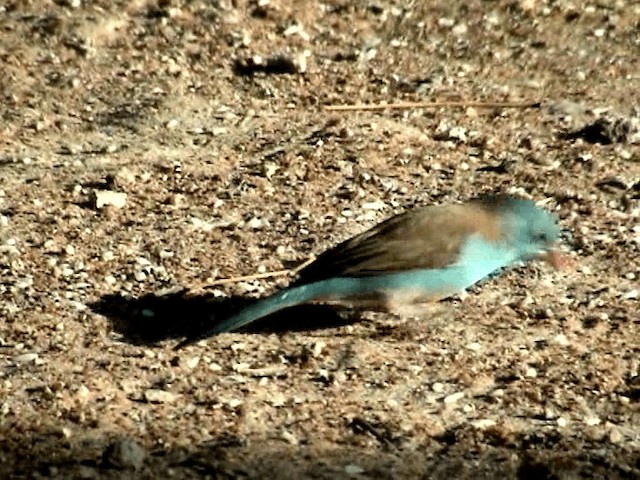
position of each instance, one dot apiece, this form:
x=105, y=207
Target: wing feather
x=424, y=238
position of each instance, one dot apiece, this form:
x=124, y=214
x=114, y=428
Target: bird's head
x=532, y=231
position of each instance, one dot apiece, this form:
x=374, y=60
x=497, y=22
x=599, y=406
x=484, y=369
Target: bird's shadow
x=178, y=314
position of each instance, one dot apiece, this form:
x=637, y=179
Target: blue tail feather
x=431, y=283
x=289, y=297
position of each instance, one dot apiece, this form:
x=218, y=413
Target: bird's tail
x=289, y=297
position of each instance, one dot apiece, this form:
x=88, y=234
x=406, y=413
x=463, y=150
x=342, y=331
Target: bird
x=424, y=254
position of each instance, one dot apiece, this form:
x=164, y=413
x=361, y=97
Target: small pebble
x=289, y=437
x=592, y=421
x=353, y=470
x=26, y=358
x=561, y=339
x=126, y=453
x=615, y=436
x=437, y=387
x=453, y=398
x=104, y=198
x=483, y=424
x=474, y=347
x=255, y=223
x=154, y=395
x=192, y=362
x=214, y=367
x=318, y=347
x=107, y=255
x=377, y=205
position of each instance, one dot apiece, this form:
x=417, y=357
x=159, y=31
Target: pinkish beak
x=557, y=259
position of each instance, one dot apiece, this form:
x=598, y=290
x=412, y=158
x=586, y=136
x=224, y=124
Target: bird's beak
x=556, y=258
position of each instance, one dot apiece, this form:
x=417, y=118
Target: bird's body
x=421, y=255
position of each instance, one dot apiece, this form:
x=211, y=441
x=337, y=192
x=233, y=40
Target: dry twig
x=254, y=276
x=409, y=105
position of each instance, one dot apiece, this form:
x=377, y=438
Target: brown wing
x=428, y=237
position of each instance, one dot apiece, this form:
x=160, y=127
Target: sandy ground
x=209, y=116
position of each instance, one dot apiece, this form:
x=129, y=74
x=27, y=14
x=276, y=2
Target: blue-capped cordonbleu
x=421, y=255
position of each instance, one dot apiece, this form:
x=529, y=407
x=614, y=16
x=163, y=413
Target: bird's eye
x=541, y=237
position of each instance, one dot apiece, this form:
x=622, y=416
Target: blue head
x=531, y=230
